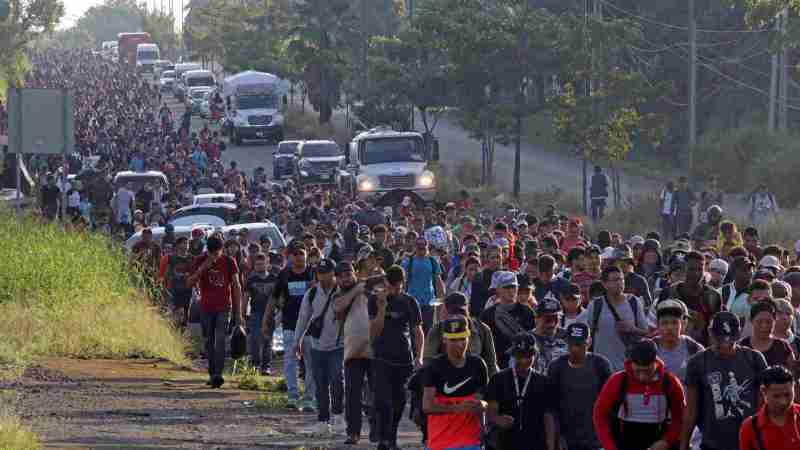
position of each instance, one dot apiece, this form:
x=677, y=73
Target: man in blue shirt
x=424, y=280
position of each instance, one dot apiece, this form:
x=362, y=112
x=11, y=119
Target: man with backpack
x=722, y=386
x=317, y=320
x=674, y=347
x=424, y=280
x=774, y=427
x=642, y=406
x=598, y=191
x=615, y=319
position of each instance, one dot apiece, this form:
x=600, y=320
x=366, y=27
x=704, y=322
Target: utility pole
x=773, y=85
x=692, y=86
x=784, y=88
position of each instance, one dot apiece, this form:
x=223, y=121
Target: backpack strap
x=622, y=400
x=633, y=302
x=665, y=386
x=597, y=308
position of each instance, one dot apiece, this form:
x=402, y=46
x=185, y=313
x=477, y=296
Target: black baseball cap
x=456, y=300
x=326, y=266
x=523, y=343
x=643, y=352
x=344, y=267
x=547, y=306
x=577, y=333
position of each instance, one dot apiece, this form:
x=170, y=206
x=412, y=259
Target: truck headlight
x=426, y=180
x=366, y=185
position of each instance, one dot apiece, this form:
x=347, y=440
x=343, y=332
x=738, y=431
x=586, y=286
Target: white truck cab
x=254, y=109
x=146, y=57
x=383, y=162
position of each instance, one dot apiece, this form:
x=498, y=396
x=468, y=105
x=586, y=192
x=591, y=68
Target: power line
x=675, y=27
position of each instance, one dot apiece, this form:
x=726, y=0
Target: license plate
x=260, y=133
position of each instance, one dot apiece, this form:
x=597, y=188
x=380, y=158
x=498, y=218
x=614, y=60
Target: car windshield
x=320, y=150
x=168, y=74
x=388, y=150
x=200, y=81
x=287, y=148
x=259, y=101
x=199, y=94
x=226, y=214
x=148, y=54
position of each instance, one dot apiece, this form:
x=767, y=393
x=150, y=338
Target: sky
x=74, y=9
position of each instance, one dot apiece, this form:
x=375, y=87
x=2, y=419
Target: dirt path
x=153, y=404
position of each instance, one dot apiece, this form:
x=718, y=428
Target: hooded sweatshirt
x=641, y=411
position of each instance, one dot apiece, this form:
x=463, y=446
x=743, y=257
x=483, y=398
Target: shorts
x=180, y=298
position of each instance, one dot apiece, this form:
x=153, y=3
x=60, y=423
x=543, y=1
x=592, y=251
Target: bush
x=746, y=157
x=71, y=294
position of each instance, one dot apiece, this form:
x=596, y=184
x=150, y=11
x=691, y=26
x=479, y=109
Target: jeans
x=355, y=370
x=290, y=368
x=310, y=392
x=598, y=208
x=683, y=222
x=328, y=374
x=260, y=348
x=390, y=397
x=667, y=226
x=215, y=326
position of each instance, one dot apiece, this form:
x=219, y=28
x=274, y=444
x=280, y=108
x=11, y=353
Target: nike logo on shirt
x=450, y=389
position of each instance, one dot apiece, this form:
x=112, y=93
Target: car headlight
x=426, y=180
x=366, y=185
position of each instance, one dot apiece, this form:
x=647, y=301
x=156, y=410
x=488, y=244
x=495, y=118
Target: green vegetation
x=13, y=435
x=71, y=294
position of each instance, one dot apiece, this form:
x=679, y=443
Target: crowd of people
x=509, y=330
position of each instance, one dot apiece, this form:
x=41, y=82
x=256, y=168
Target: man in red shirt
x=220, y=294
x=775, y=425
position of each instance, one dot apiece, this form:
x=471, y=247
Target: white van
x=178, y=89
x=146, y=57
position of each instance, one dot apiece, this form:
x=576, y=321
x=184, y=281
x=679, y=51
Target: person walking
x=763, y=208
x=642, y=406
x=394, y=317
x=522, y=402
x=598, y=192
x=220, y=297
x=424, y=280
x=293, y=282
x=684, y=203
x=722, y=386
x=775, y=425
x=351, y=310
x=317, y=320
x=576, y=379
x=452, y=385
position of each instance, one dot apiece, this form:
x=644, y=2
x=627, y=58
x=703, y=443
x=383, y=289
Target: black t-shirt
x=394, y=343
x=528, y=410
x=503, y=331
x=779, y=353
x=50, y=196
x=456, y=382
x=259, y=287
x=293, y=287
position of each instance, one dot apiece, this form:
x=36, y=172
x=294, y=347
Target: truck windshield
x=200, y=81
x=388, y=150
x=145, y=55
x=258, y=101
x=320, y=150
x=287, y=149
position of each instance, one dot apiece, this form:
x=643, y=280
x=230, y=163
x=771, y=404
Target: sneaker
x=217, y=382
x=337, y=424
x=322, y=428
x=352, y=439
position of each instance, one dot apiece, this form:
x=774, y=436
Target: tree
x=319, y=40
x=106, y=20
x=27, y=21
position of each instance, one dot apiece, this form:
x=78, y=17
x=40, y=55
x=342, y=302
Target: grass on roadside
x=13, y=435
x=71, y=294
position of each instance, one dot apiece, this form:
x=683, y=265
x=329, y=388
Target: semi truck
x=127, y=45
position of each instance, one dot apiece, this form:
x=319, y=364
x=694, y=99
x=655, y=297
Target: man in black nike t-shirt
x=452, y=384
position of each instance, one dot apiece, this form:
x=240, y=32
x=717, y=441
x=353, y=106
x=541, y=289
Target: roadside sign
x=40, y=121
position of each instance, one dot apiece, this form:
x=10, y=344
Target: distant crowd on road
x=505, y=329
